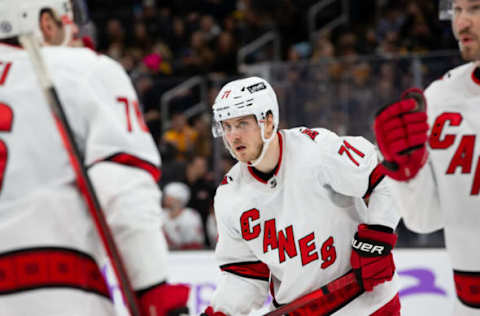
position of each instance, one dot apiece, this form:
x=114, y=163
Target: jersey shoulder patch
x=309, y=132
x=226, y=180
x=302, y=132
x=231, y=177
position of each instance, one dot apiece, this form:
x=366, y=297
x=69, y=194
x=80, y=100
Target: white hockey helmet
x=249, y=96
x=178, y=191
x=19, y=17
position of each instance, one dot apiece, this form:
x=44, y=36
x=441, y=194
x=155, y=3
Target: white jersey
x=49, y=245
x=184, y=231
x=293, y=234
x=446, y=192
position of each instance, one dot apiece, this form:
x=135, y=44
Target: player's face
x=52, y=29
x=466, y=27
x=243, y=137
x=55, y=31
x=172, y=203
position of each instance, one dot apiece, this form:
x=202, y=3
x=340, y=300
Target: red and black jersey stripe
x=376, y=176
x=133, y=161
x=248, y=269
x=50, y=267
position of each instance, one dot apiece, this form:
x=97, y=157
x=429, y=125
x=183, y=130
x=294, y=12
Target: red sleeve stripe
x=376, y=176
x=132, y=161
x=250, y=269
x=467, y=284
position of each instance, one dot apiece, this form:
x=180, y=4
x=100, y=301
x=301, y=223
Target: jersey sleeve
x=419, y=203
x=381, y=207
x=131, y=201
x=243, y=284
x=347, y=163
x=114, y=141
x=115, y=127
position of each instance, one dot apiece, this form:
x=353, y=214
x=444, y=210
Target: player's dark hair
x=271, y=113
x=51, y=13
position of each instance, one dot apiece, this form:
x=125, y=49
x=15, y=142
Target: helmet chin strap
x=68, y=30
x=266, y=143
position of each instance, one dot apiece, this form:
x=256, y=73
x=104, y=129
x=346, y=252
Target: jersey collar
x=277, y=168
x=476, y=75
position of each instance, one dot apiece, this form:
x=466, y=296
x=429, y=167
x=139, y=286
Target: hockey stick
x=83, y=181
x=325, y=300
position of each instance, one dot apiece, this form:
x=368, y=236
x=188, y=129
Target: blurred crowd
x=355, y=68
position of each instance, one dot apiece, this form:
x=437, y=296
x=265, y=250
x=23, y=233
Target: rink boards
x=426, y=285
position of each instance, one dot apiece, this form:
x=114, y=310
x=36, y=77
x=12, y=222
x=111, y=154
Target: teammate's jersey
x=185, y=231
x=446, y=192
x=293, y=233
x=45, y=227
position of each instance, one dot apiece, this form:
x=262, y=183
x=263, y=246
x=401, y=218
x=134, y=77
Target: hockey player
x=182, y=225
x=288, y=211
x=439, y=174
x=49, y=250
x=63, y=31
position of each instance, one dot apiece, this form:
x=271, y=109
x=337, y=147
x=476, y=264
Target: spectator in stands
x=199, y=57
x=203, y=144
x=178, y=39
x=209, y=28
x=390, y=45
x=368, y=43
x=225, y=55
x=347, y=45
x=141, y=38
x=115, y=34
x=201, y=186
x=391, y=20
x=182, y=225
x=323, y=48
x=180, y=137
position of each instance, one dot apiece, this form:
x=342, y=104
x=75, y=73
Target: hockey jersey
x=445, y=193
x=293, y=233
x=184, y=231
x=49, y=245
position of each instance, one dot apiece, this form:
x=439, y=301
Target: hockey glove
x=209, y=312
x=401, y=130
x=371, y=258
x=164, y=300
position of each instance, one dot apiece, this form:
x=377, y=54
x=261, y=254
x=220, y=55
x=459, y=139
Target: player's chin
x=243, y=156
x=471, y=53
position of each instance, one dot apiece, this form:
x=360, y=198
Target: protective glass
x=445, y=12
x=217, y=129
x=80, y=12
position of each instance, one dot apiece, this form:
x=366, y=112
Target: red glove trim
x=467, y=285
x=248, y=269
x=162, y=298
x=209, y=312
x=376, y=176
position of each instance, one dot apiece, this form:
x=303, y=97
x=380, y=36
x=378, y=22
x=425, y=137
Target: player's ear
x=46, y=26
x=269, y=125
